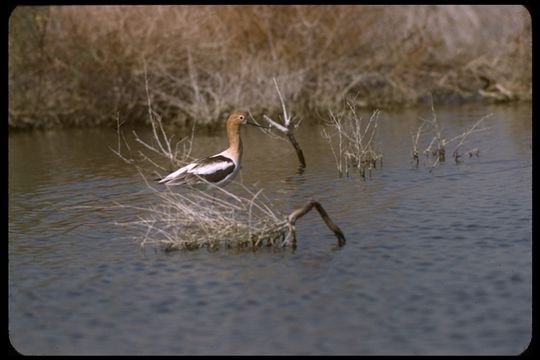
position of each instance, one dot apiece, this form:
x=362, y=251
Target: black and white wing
x=213, y=169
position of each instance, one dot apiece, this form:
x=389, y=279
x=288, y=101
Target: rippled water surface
x=434, y=263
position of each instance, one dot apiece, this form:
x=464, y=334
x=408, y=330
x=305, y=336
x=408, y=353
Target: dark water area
x=435, y=263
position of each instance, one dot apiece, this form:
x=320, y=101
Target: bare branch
x=288, y=127
x=298, y=213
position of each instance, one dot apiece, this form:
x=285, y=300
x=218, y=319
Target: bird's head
x=237, y=118
x=241, y=118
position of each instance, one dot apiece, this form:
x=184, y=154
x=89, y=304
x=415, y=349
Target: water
x=434, y=263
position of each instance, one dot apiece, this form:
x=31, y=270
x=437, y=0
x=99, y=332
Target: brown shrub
x=82, y=65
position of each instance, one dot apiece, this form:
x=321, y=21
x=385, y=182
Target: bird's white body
x=216, y=170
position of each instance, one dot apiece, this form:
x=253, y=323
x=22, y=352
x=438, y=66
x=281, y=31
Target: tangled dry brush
x=82, y=65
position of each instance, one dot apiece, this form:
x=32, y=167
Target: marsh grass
x=356, y=148
x=82, y=65
x=192, y=219
x=161, y=146
x=436, y=149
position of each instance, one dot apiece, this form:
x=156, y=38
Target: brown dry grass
x=355, y=148
x=82, y=65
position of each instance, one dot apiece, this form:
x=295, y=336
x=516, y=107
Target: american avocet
x=216, y=170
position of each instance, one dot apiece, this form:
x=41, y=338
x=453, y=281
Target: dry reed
x=436, y=148
x=356, y=148
x=82, y=65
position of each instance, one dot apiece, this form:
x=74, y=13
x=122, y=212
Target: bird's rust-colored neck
x=233, y=133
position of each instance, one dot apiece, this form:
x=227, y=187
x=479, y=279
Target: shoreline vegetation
x=83, y=66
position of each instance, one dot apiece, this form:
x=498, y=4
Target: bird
x=216, y=170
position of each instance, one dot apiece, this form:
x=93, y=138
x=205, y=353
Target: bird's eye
x=241, y=117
